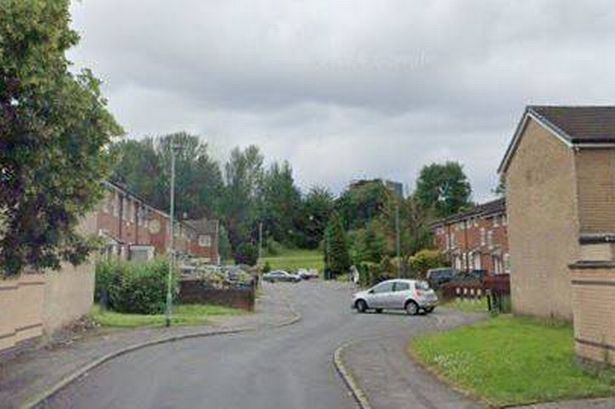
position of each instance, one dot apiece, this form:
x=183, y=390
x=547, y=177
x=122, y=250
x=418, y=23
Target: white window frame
x=205, y=240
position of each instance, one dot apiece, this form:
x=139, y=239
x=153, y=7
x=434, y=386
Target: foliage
x=337, y=257
x=368, y=244
x=224, y=245
x=273, y=248
x=243, y=175
x=198, y=180
x=132, y=287
x=280, y=204
x=424, y=260
x=443, y=187
x=315, y=211
x=53, y=130
x=193, y=314
x=267, y=267
x=512, y=361
x=362, y=202
x=246, y=253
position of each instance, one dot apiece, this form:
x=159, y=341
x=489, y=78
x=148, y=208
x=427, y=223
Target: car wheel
x=412, y=308
x=379, y=310
x=429, y=309
x=361, y=306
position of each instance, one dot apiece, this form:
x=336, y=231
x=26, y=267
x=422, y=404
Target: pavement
x=264, y=368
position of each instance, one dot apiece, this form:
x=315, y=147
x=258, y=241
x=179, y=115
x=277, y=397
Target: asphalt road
x=289, y=367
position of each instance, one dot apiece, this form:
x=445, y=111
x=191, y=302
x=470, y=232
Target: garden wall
x=194, y=291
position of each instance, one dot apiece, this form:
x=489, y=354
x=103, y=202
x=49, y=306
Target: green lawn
x=508, y=361
x=182, y=315
x=292, y=260
x=467, y=305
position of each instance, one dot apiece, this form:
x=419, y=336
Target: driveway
x=289, y=367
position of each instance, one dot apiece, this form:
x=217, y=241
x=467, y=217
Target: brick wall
x=593, y=299
x=543, y=227
x=194, y=292
x=596, y=189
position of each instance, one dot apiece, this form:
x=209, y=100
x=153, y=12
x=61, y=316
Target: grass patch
x=292, y=260
x=193, y=314
x=468, y=305
x=512, y=361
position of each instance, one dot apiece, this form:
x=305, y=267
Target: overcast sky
x=347, y=89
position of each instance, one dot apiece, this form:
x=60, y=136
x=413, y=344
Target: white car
x=400, y=294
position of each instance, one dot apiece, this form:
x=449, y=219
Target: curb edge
x=358, y=394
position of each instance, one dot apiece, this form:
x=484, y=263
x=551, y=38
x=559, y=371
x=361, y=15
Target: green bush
x=266, y=267
x=246, y=253
x=132, y=287
x=424, y=260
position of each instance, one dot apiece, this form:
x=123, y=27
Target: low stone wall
x=194, y=291
x=593, y=302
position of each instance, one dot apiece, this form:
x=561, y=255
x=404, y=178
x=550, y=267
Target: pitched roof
x=484, y=209
x=573, y=125
x=203, y=226
x=580, y=124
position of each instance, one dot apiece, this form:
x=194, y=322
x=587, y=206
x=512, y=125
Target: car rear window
x=421, y=285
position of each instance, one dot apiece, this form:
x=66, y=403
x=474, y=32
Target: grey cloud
x=347, y=89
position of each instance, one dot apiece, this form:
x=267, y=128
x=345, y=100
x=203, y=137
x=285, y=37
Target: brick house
x=559, y=173
x=135, y=230
x=476, y=239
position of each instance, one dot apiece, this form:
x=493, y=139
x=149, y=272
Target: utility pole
x=397, y=241
x=174, y=149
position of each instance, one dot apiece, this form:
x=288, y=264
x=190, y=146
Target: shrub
x=246, y=253
x=131, y=287
x=273, y=248
x=424, y=260
x=266, y=267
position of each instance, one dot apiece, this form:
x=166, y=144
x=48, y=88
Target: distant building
x=476, y=239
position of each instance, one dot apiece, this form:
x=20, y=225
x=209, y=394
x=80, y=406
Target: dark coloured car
x=438, y=276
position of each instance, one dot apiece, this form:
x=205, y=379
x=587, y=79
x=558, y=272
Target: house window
x=490, y=238
x=504, y=220
x=476, y=222
x=507, y=263
x=496, y=221
x=205, y=240
x=118, y=202
x=483, y=237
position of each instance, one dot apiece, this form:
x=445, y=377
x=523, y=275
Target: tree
x=443, y=187
x=337, y=257
x=246, y=253
x=224, y=245
x=362, y=202
x=198, y=178
x=315, y=212
x=280, y=204
x=54, y=128
x=243, y=179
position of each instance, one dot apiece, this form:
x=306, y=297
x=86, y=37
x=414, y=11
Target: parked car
x=399, y=294
x=438, y=276
x=307, y=274
x=280, y=275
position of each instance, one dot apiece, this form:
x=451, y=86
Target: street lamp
x=175, y=148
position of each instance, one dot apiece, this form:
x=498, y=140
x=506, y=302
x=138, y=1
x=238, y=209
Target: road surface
x=288, y=367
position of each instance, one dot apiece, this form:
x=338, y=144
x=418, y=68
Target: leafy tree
x=243, y=179
x=362, y=202
x=198, y=180
x=224, y=245
x=280, y=204
x=337, y=257
x=53, y=131
x=443, y=187
x=315, y=211
x=424, y=260
x=246, y=253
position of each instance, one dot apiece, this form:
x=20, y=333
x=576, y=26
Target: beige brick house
x=559, y=173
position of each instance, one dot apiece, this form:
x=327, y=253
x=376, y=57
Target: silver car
x=400, y=294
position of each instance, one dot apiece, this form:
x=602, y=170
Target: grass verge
x=182, y=315
x=292, y=260
x=468, y=305
x=512, y=361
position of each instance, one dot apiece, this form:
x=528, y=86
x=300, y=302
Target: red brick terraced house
x=476, y=239
x=137, y=231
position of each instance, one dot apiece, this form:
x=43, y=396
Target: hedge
x=134, y=287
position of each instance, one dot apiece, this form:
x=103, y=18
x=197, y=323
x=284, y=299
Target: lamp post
x=174, y=149
x=397, y=241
